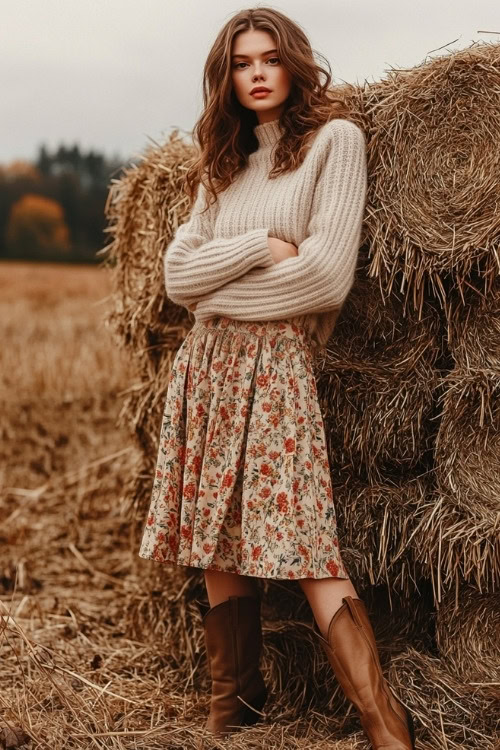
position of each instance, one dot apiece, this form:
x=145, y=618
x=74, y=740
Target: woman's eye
x=243, y=63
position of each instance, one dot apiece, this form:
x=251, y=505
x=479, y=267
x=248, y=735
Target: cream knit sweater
x=222, y=261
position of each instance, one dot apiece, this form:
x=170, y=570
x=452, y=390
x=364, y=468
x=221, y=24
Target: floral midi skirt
x=242, y=481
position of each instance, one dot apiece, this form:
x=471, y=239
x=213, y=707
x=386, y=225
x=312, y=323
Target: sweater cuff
x=262, y=253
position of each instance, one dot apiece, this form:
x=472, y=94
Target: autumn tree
x=36, y=228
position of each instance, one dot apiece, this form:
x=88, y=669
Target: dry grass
x=54, y=339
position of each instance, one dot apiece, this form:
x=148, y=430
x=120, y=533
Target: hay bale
x=460, y=526
x=455, y=540
x=468, y=440
x=434, y=166
x=377, y=381
x=378, y=521
x=467, y=636
x=473, y=326
x=144, y=208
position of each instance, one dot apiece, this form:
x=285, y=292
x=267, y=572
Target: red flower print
x=159, y=475
x=186, y=531
x=207, y=548
x=224, y=412
x=200, y=410
x=332, y=568
x=300, y=523
x=266, y=406
x=303, y=550
x=236, y=388
x=228, y=478
x=308, y=465
x=319, y=505
x=196, y=464
x=173, y=544
x=217, y=366
x=279, y=536
x=291, y=574
x=244, y=411
x=151, y=520
x=295, y=485
x=265, y=469
x=206, y=511
x=289, y=445
x=256, y=552
x=282, y=502
x=189, y=490
x=262, y=380
x=264, y=493
x=300, y=420
x=273, y=455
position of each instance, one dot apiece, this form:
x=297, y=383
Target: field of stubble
x=71, y=674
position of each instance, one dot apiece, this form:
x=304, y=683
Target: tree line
x=53, y=208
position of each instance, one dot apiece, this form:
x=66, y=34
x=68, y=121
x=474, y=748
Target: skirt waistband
x=262, y=328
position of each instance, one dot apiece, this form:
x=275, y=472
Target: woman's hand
x=280, y=249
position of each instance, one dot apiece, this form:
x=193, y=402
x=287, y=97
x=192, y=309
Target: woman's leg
x=220, y=586
x=325, y=597
x=353, y=654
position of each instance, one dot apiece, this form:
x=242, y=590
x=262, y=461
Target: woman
x=265, y=262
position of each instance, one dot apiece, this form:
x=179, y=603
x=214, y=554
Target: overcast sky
x=114, y=74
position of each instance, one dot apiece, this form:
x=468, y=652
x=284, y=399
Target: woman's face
x=254, y=62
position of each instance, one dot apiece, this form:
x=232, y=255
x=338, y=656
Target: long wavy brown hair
x=224, y=131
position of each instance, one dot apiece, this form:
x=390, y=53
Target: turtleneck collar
x=268, y=133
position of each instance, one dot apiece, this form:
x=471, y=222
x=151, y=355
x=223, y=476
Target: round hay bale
x=467, y=635
x=473, y=326
x=434, y=166
x=377, y=381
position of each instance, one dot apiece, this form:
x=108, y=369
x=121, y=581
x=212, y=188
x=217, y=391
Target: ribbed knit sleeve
x=320, y=277
x=195, y=262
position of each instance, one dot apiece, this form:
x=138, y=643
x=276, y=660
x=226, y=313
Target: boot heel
x=250, y=716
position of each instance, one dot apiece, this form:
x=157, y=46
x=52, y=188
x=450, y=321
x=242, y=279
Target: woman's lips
x=261, y=94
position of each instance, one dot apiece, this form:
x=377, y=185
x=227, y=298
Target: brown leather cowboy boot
x=233, y=639
x=353, y=655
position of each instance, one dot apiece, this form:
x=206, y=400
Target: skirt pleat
x=242, y=481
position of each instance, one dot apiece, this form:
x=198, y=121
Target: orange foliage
x=37, y=221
